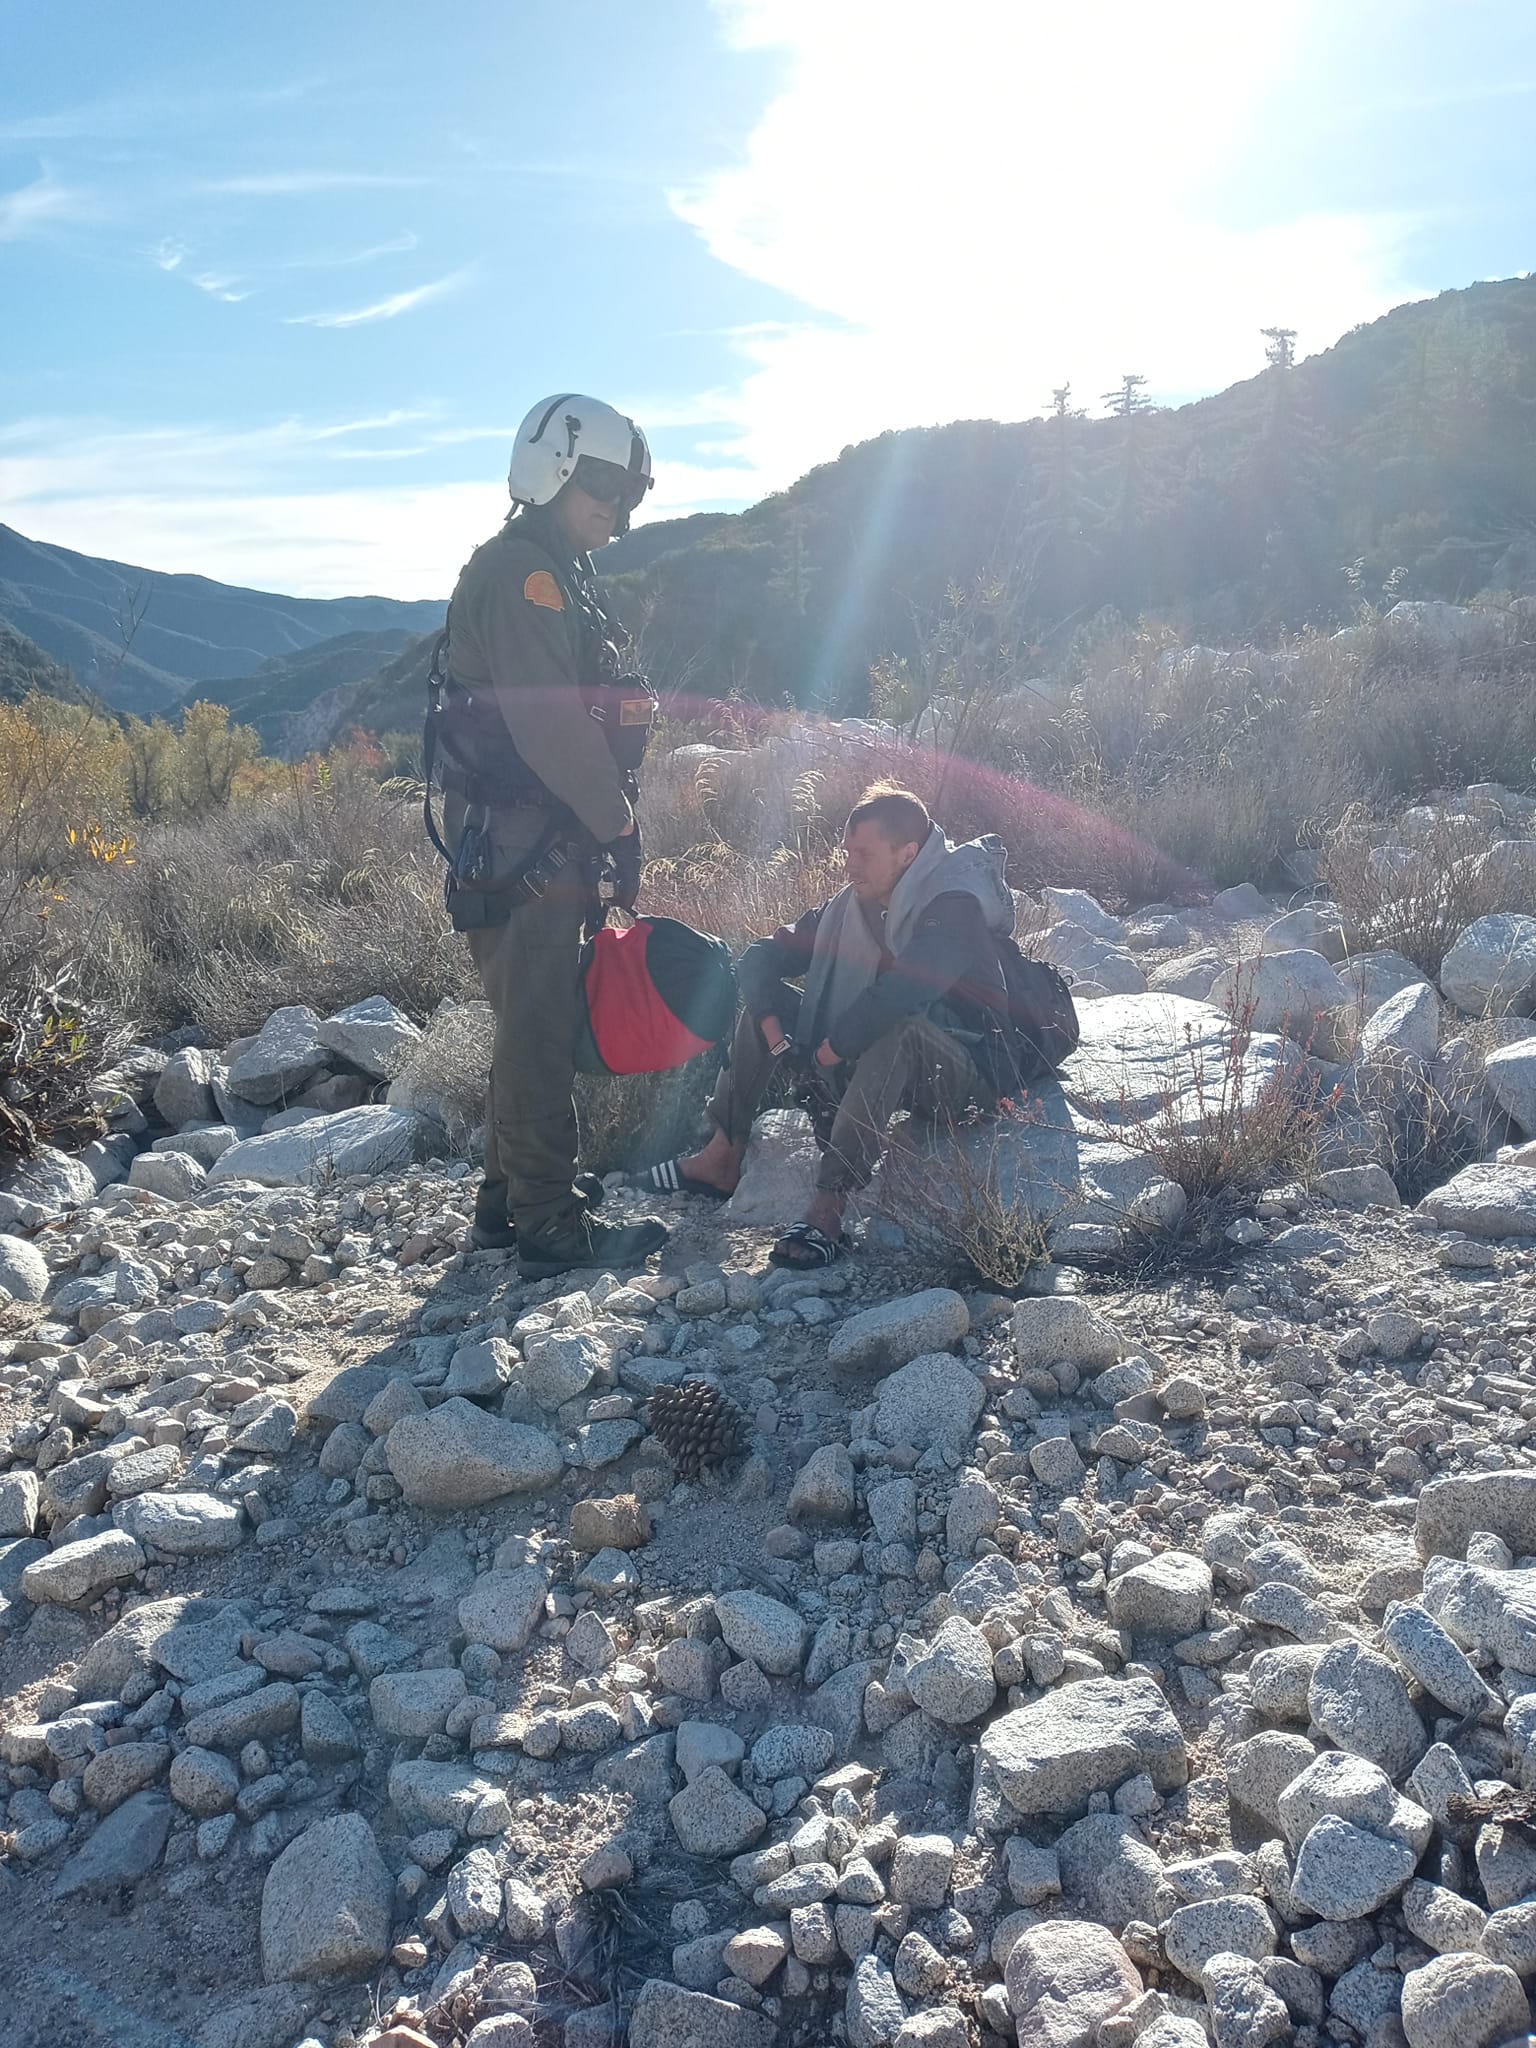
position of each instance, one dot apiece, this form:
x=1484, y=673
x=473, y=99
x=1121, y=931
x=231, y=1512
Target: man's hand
x=773, y=1032
x=825, y=1056
x=628, y=859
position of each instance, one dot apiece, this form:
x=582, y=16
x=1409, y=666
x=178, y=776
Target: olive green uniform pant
x=915, y=1066
x=529, y=967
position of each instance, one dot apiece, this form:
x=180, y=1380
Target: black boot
x=578, y=1239
x=494, y=1231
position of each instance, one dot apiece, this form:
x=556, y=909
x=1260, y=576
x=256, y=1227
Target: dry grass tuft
x=952, y=1209
x=1220, y=1138
x=1418, y=898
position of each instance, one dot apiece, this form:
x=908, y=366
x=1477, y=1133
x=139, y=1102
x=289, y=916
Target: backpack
x=1042, y=1017
x=656, y=994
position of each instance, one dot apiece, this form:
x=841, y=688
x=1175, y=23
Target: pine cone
x=698, y=1427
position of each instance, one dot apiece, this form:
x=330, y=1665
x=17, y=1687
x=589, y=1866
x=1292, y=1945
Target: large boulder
x=1373, y=977
x=1463, y=2000
x=283, y=1057
x=1510, y=1073
x=932, y=1401
x=894, y=1332
x=1360, y=1702
x=129, y=1646
x=502, y=1609
x=1144, y=1056
x=1192, y=975
x=762, y=1630
x=1051, y=1756
x=127, y=1846
x=666, y=2015
x=1490, y=971
x=779, y=1170
x=79, y=1571
x=45, y=1186
x=175, y=1175
x=1452, y=1508
x=181, y=1524
x=1405, y=1025
x=372, y=1034
x=370, y=1139
x=1167, y=1596
x=1486, y=1201
x=23, y=1271
x=1295, y=993
x=1310, y=928
x=1092, y=959
x=184, y=1091
x=1063, y=1979
x=1051, y=1328
x=325, y=1907
x=456, y=1456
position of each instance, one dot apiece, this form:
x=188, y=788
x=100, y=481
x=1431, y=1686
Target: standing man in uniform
x=540, y=732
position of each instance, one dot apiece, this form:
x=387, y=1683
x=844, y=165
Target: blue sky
x=288, y=276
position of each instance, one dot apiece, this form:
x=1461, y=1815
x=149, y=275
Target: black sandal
x=804, y=1249
x=669, y=1179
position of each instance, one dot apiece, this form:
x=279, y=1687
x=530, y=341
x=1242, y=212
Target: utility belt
x=476, y=897
x=491, y=793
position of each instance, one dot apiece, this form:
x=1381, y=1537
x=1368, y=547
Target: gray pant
x=915, y=1066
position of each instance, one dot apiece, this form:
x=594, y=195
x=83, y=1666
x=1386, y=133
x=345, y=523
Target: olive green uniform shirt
x=517, y=635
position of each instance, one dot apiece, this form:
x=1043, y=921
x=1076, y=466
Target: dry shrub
x=1415, y=899
x=632, y=1120
x=320, y=894
x=795, y=795
x=944, y=1188
x=444, y=1072
x=1220, y=1138
x=53, y=1051
x=1426, y=1123
x=626, y=1120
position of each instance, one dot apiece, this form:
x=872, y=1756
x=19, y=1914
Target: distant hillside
x=189, y=629
x=24, y=668
x=394, y=700
x=1409, y=445
x=274, y=697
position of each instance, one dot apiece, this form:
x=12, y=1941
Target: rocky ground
x=1136, y=1660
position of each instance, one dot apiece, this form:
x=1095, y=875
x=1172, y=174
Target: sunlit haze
x=280, y=282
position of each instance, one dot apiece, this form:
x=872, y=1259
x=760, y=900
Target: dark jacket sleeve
x=530, y=653
x=950, y=942
x=785, y=955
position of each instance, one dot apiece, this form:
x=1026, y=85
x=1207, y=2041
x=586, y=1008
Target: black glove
x=628, y=859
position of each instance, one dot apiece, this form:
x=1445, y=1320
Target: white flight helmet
x=574, y=435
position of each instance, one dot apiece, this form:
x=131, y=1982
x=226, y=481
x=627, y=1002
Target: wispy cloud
x=116, y=117
x=171, y=256
x=224, y=289
x=44, y=203
x=352, y=259
x=300, y=184
x=382, y=309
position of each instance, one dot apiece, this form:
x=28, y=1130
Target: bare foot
x=824, y=1212
x=718, y=1165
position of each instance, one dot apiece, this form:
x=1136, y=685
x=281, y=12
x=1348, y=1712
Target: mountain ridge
x=141, y=637
x=1401, y=459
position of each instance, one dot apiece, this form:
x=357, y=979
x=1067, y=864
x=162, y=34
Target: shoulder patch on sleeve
x=542, y=589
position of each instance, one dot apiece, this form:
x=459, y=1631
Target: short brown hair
x=900, y=817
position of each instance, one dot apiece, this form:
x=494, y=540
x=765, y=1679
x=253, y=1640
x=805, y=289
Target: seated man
x=904, y=1007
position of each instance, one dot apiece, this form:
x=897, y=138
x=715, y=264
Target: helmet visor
x=609, y=483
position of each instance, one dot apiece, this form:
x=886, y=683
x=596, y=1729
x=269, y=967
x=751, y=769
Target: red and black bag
x=657, y=994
